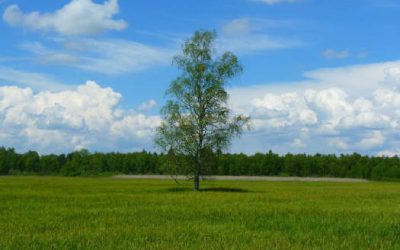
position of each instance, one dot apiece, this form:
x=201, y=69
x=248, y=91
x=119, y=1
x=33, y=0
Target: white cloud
x=341, y=110
x=272, y=2
x=31, y=79
x=79, y=17
x=343, y=54
x=338, y=143
x=360, y=79
x=239, y=26
x=256, y=42
x=362, y=55
x=86, y=117
x=122, y=56
x=245, y=25
x=281, y=111
x=48, y=56
x=297, y=143
x=374, y=139
x=106, y=56
x=332, y=54
x=392, y=77
x=388, y=153
x=245, y=35
x=361, y=113
x=146, y=106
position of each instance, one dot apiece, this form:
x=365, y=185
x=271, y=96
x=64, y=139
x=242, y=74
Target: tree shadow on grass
x=228, y=190
x=178, y=190
x=215, y=189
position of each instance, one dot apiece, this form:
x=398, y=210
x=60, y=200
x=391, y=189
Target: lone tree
x=197, y=121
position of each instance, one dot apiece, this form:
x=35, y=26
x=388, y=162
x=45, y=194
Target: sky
x=320, y=76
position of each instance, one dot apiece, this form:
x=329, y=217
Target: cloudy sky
x=320, y=76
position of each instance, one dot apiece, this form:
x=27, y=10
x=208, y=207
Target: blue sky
x=320, y=76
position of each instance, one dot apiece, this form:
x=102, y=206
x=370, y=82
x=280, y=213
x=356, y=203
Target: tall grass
x=105, y=213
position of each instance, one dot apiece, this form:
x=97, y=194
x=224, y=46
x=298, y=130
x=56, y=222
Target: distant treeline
x=84, y=163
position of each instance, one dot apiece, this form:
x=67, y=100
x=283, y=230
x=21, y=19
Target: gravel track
x=244, y=178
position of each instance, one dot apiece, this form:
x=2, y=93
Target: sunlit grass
x=99, y=213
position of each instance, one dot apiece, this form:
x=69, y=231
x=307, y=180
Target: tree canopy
x=197, y=120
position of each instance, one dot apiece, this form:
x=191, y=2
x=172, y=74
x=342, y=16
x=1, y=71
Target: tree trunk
x=197, y=181
x=197, y=170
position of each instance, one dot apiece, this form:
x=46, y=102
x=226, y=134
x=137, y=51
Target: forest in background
x=85, y=163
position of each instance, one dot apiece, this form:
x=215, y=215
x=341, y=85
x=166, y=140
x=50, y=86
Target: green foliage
x=197, y=120
x=84, y=163
x=106, y=213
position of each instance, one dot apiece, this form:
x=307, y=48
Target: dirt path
x=245, y=178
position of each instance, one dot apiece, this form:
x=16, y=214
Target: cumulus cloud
x=297, y=143
x=317, y=115
x=245, y=35
x=79, y=17
x=146, y=106
x=86, y=117
x=279, y=111
x=360, y=79
x=376, y=138
x=360, y=113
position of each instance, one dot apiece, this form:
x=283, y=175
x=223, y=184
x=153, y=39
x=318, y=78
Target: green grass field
x=105, y=213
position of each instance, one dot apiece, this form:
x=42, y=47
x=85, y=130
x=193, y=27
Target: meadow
x=106, y=213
